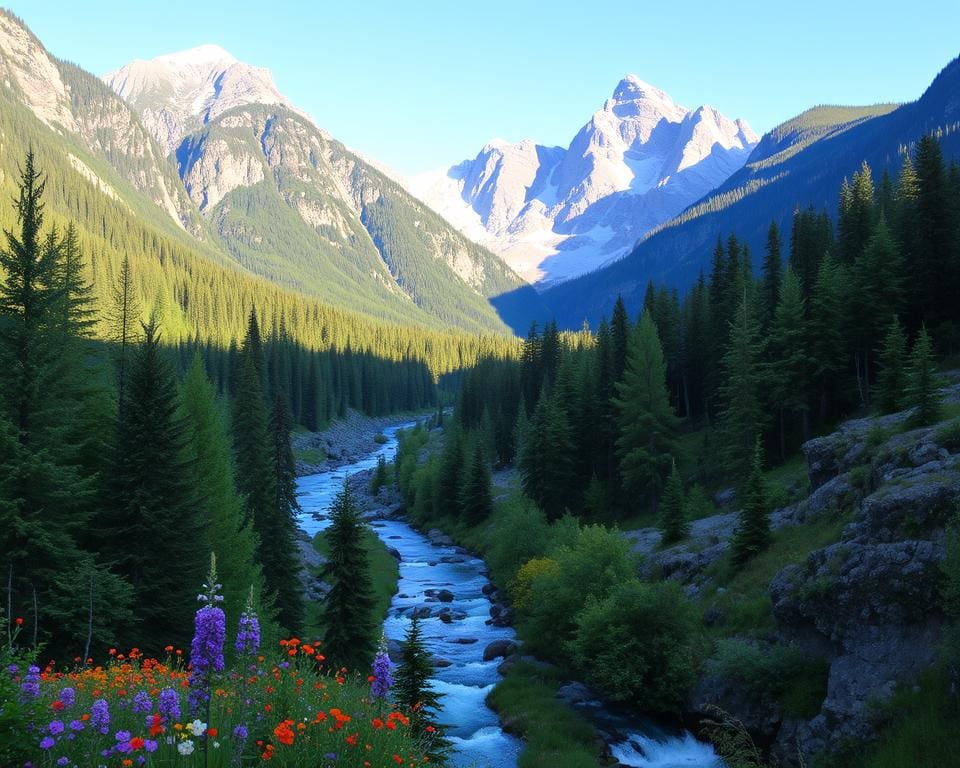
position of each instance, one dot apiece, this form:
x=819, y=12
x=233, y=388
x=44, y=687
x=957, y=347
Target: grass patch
x=745, y=602
x=922, y=729
x=555, y=735
x=384, y=573
x=789, y=481
x=310, y=455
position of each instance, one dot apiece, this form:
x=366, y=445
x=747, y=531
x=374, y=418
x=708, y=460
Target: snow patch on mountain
x=553, y=213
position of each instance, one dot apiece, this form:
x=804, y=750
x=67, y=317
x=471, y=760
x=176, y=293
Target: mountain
x=553, y=213
x=800, y=163
x=107, y=175
x=290, y=203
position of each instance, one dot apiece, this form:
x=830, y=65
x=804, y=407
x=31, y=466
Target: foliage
x=415, y=695
x=638, y=645
x=753, y=528
x=674, y=523
x=347, y=618
x=923, y=383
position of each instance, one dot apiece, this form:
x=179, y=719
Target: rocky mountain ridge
x=553, y=213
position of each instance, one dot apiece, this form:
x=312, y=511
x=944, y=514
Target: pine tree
x=347, y=610
x=452, y=462
x=673, y=521
x=476, y=502
x=283, y=527
x=891, y=379
x=647, y=422
x=124, y=318
x=412, y=690
x=155, y=519
x=208, y=450
x=619, y=338
x=788, y=359
x=923, y=383
x=772, y=274
x=753, y=530
x=742, y=414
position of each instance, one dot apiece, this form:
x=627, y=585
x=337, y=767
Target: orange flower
x=284, y=733
x=212, y=732
x=136, y=743
x=168, y=648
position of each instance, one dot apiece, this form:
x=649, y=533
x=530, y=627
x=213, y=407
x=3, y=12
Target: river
x=472, y=727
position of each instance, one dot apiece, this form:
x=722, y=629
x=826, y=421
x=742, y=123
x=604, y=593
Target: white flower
x=198, y=727
x=170, y=739
x=216, y=745
x=185, y=748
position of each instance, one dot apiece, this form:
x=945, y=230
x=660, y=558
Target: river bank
x=345, y=441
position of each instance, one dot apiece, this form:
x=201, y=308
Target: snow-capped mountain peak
x=553, y=213
x=178, y=93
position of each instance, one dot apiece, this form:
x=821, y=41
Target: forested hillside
x=799, y=164
x=683, y=428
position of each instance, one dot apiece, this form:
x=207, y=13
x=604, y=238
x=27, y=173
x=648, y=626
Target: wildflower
x=142, y=703
x=55, y=727
x=100, y=716
x=19, y=621
x=30, y=687
x=136, y=743
x=47, y=743
x=13, y=670
x=240, y=732
x=150, y=745
x=185, y=748
x=212, y=732
x=248, y=634
x=206, y=651
x=168, y=703
x=76, y=725
x=382, y=679
x=63, y=760
x=284, y=732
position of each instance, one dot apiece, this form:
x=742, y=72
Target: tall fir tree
x=753, y=530
x=476, y=501
x=892, y=361
x=923, y=383
x=772, y=275
x=155, y=519
x=347, y=609
x=788, y=368
x=673, y=522
x=742, y=412
x=231, y=536
x=283, y=527
x=648, y=424
x=413, y=692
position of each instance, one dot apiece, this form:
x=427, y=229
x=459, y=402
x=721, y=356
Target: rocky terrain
x=345, y=441
x=866, y=604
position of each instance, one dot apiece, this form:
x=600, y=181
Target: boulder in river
x=499, y=648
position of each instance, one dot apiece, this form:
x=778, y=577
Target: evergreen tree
x=891, y=379
x=208, y=451
x=476, y=501
x=923, y=383
x=647, y=422
x=413, y=692
x=753, y=530
x=284, y=556
x=788, y=359
x=742, y=414
x=46, y=462
x=347, y=610
x=619, y=338
x=155, y=519
x=124, y=318
x=673, y=521
x=772, y=274
x=452, y=462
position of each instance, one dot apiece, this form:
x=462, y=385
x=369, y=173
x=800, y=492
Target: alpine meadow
x=322, y=447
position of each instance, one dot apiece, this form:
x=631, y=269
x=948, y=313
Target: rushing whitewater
x=472, y=727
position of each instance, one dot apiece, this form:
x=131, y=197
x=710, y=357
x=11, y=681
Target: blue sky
x=425, y=83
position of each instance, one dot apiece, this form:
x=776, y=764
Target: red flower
x=212, y=732
x=57, y=706
x=284, y=732
x=136, y=743
x=19, y=621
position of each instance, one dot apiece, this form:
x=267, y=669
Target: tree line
x=124, y=464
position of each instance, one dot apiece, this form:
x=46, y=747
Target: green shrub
x=698, y=504
x=597, y=562
x=639, y=645
x=380, y=476
x=860, y=477
x=380, y=438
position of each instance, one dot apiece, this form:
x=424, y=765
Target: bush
x=380, y=476
x=639, y=645
x=521, y=588
x=598, y=562
x=380, y=438
x=520, y=532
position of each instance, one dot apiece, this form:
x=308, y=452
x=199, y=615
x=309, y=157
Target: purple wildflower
x=76, y=725
x=100, y=716
x=13, y=670
x=68, y=696
x=47, y=743
x=169, y=704
x=150, y=745
x=123, y=736
x=241, y=732
x=382, y=679
x=210, y=632
x=30, y=687
x=248, y=635
x=142, y=702
x=55, y=727
x=63, y=760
